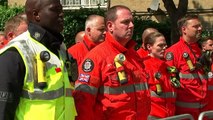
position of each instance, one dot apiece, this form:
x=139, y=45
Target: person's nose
x=131, y=24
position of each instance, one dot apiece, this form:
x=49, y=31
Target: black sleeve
x=12, y=72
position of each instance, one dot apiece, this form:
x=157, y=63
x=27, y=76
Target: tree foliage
x=74, y=22
x=175, y=13
x=7, y=12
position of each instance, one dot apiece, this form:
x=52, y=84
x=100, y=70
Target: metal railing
x=207, y=114
x=179, y=117
x=77, y=4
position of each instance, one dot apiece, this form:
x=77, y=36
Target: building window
x=77, y=4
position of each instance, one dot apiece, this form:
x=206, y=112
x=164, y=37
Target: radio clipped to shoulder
x=118, y=60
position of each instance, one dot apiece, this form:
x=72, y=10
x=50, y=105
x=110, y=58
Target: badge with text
x=169, y=56
x=88, y=65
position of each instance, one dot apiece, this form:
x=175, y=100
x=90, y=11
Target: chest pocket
x=112, y=75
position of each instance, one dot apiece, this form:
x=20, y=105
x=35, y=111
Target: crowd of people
x=113, y=81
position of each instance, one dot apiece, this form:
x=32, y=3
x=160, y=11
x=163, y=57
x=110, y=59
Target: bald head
x=93, y=21
x=146, y=32
x=79, y=36
x=95, y=28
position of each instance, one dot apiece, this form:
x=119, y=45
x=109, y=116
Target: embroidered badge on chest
x=88, y=65
x=37, y=35
x=169, y=56
x=157, y=75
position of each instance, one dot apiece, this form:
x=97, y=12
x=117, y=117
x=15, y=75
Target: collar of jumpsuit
x=114, y=43
x=89, y=44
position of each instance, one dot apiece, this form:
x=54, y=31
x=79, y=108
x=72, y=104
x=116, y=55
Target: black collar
x=49, y=39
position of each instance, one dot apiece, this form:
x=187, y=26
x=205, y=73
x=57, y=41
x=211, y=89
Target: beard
x=198, y=35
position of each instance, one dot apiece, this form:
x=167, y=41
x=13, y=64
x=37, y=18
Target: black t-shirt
x=12, y=72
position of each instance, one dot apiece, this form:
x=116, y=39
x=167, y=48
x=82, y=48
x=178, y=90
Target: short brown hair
x=151, y=38
x=111, y=14
x=183, y=21
x=14, y=22
x=205, y=39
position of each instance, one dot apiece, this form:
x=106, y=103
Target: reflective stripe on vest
x=22, y=47
x=86, y=88
x=193, y=76
x=164, y=95
x=49, y=95
x=210, y=87
x=124, y=89
x=55, y=95
x=190, y=105
x=68, y=92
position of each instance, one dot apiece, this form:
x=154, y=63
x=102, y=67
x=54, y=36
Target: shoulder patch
x=169, y=56
x=210, y=74
x=88, y=65
x=185, y=55
x=157, y=75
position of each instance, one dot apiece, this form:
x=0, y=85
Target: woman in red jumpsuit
x=163, y=95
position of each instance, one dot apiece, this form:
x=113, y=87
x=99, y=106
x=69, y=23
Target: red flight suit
x=162, y=104
x=99, y=95
x=210, y=90
x=79, y=50
x=191, y=96
x=142, y=52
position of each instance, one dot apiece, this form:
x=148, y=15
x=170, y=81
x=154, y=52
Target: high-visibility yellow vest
x=55, y=101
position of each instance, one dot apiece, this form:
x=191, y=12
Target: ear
x=149, y=47
x=10, y=36
x=203, y=47
x=88, y=29
x=183, y=29
x=36, y=16
x=110, y=26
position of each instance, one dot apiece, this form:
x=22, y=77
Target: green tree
x=175, y=13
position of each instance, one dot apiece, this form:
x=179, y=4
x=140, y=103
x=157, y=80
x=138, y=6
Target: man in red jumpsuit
x=141, y=51
x=184, y=55
x=94, y=34
x=79, y=36
x=112, y=84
